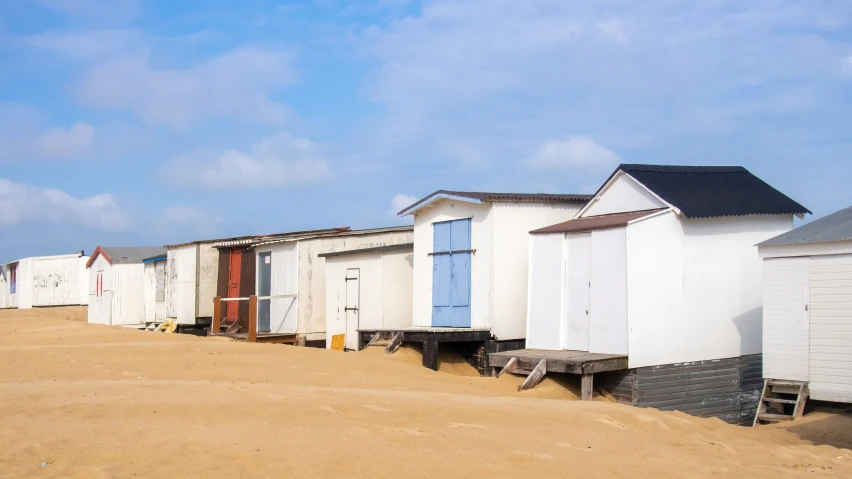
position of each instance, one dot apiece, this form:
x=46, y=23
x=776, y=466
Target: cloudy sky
x=125, y=122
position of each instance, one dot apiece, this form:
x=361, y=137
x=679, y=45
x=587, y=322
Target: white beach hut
x=117, y=284
x=658, y=275
x=44, y=281
x=191, y=280
x=367, y=289
x=155, y=289
x=807, y=312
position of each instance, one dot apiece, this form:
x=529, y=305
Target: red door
x=234, y=284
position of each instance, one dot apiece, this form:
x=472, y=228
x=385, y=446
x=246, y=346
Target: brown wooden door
x=234, y=284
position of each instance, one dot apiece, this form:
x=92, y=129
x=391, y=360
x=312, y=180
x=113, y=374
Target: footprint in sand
x=571, y=446
x=413, y=432
x=461, y=424
x=612, y=422
x=720, y=445
x=328, y=408
x=533, y=455
x=376, y=408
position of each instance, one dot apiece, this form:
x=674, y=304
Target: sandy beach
x=89, y=401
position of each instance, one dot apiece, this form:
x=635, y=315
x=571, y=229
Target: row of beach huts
x=675, y=287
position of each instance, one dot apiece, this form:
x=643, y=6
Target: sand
x=89, y=401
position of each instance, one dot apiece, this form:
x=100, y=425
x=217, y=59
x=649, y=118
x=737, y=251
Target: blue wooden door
x=451, y=274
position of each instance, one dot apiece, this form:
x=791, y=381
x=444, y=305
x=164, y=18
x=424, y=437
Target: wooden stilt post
x=430, y=353
x=252, y=319
x=586, y=391
x=217, y=316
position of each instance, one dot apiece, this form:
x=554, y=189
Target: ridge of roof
x=497, y=196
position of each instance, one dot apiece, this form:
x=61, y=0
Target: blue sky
x=127, y=122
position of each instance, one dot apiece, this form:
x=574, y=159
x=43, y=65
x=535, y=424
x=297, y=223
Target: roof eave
x=433, y=198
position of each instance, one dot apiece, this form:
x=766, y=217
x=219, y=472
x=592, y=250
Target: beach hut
x=155, y=289
x=44, y=281
x=117, y=284
x=192, y=271
x=291, y=281
x=470, y=267
x=367, y=289
x=807, y=311
x=656, y=284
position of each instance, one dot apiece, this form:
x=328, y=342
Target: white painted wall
x=207, y=275
x=155, y=277
x=511, y=224
x=608, y=292
x=312, y=286
x=385, y=294
x=100, y=308
x=128, y=297
x=283, y=312
x=694, y=287
x=545, y=297
x=482, y=262
x=181, y=262
x=57, y=281
x=24, y=288
x=830, y=367
x=621, y=195
x=786, y=330
x=813, y=249
x=7, y=299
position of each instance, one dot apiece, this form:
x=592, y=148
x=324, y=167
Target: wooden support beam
x=395, y=342
x=535, y=376
x=510, y=365
x=430, y=353
x=586, y=387
x=217, y=316
x=375, y=339
x=252, y=319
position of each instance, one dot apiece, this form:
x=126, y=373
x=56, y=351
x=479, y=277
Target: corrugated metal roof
x=710, y=191
x=834, y=227
x=253, y=239
x=377, y=249
x=592, y=223
x=131, y=254
x=485, y=196
x=391, y=229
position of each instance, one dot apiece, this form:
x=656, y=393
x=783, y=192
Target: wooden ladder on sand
x=391, y=342
x=167, y=326
x=781, y=400
x=534, y=375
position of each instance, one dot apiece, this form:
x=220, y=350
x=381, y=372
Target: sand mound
x=449, y=361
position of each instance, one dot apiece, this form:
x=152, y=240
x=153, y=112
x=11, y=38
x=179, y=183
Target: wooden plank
x=535, y=376
x=430, y=353
x=395, y=343
x=338, y=342
x=252, y=329
x=511, y=364
x=586, y=385
x=217, y=316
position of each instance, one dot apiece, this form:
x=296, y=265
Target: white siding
x=785, y=319
x=180, y=284
x=7, y=299
x=312, y=286
x=384, y=293
x=608, y=292
x=207, y=274
x=56, y=281
x=24, y=287
x=694, y=287
x=283, y=312
x=578, y=251
x=155, y=307
x=621, y=195
x=831, y=328
x=546, y=273
x=100, y=308
x=128, y=286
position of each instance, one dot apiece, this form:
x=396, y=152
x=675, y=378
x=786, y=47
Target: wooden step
x=783, y=382
x=782, y=401
x=775, y=417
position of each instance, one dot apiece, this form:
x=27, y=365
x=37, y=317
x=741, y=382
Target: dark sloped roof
x=485, y=196
x=834, y=227
x=710, y=191
x=376, y=249
x=592, y=223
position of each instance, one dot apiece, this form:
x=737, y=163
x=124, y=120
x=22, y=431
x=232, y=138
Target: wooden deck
x=280, y=338
x=571, y=362
x=429, y=338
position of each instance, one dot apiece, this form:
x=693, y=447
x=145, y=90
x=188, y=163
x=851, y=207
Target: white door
x=577, y=277
x=831, y=328
x=785, y=318
x=353, y=292
x=160, y=291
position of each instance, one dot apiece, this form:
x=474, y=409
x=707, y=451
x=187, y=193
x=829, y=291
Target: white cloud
x=236, y=84
x=400, y=201
x=281, y=161
x=468, y=156
x=63, y=142
x=27, y=204
x=22, y=137
x=612, y=28
x=575, y=152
